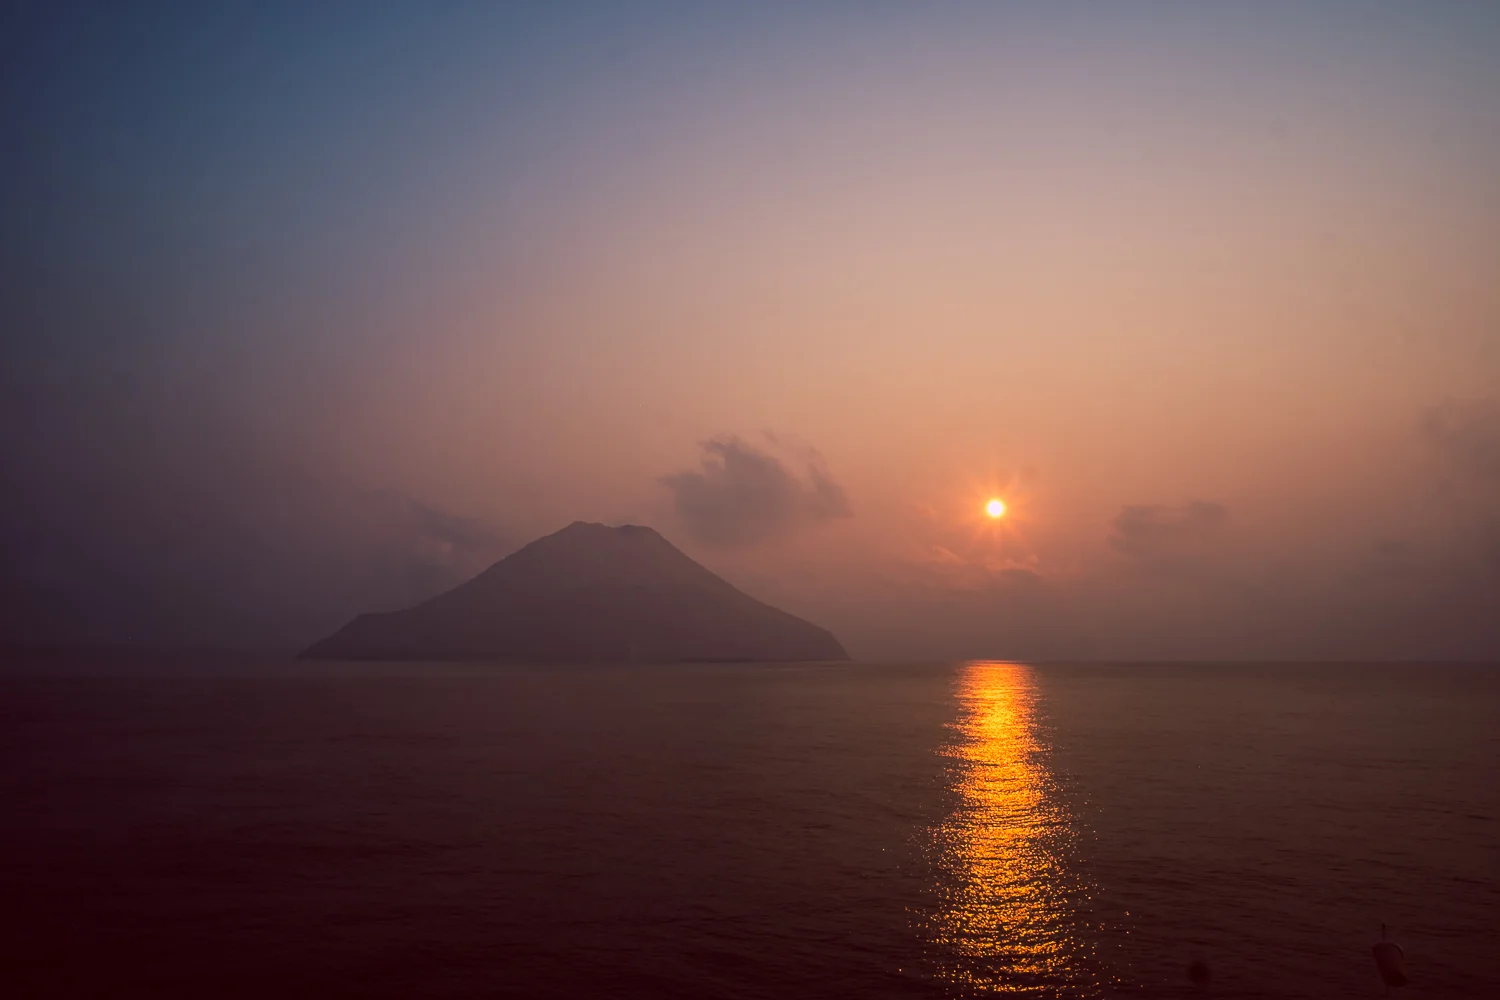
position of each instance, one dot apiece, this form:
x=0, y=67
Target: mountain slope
x=587, y=593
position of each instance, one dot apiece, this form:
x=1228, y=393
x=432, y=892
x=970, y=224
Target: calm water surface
x=734, y=831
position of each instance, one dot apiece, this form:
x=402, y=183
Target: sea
x=197, y=827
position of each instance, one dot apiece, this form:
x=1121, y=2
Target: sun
x=995, y=508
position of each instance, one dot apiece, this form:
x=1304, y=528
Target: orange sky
x=1093, y=264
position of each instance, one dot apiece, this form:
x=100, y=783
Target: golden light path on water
x=1008, y=917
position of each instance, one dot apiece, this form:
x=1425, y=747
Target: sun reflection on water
x=1006, y=919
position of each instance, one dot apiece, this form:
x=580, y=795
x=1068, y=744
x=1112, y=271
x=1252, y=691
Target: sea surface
x=196, y=828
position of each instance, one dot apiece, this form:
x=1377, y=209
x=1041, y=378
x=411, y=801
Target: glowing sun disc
x=995, y=508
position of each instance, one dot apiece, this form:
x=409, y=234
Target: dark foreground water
x=736, y=831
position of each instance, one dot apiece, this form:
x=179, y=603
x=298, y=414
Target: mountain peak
x=595, y=528
x=589, y=592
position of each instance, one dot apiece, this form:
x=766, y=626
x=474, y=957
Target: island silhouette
x=587, y=593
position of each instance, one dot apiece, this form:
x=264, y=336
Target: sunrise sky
x=316, y=309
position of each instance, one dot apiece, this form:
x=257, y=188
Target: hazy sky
x=314, y=309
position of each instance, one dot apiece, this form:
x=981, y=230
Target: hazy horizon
x=314, y=312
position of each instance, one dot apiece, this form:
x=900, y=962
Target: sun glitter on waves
x=1009, y=887
x=995, y=508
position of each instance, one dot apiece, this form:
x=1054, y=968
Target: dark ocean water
x=747, y=831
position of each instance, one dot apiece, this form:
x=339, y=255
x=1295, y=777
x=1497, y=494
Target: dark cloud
x=395, y=551
x=744, y=494
x=1154, y=531
x=1430, y=588
x=141, y=523
x=273, y=569
x=1467, y=434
